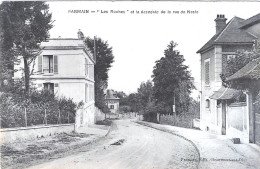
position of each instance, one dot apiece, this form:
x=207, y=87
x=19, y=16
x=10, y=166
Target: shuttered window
x=55, y=64
x=47, y=64
x=40, y=63
x=207, y=78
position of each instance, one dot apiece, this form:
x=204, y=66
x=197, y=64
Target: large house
x=217, y=111
x=112, y=101
x=66, y=68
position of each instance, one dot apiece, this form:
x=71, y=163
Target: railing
x=41, y=117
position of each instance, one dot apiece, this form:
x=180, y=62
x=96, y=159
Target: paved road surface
x=131, y=146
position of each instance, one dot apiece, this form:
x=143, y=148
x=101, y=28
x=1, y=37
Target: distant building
x=112, y=101
x=217, y=112
x=66, y=68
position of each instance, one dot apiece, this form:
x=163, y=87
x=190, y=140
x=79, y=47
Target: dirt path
x=131, y=146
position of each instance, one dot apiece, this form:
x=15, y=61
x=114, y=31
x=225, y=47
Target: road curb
x=171, y=132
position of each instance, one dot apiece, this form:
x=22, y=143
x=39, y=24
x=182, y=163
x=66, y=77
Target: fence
x=28, y=117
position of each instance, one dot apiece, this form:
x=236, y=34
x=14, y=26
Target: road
x=131, y=146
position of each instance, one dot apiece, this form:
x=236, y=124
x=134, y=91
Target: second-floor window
x=48, y=64
x=111, y=106
x=207, y=75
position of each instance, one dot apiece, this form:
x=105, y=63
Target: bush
x=14, y=105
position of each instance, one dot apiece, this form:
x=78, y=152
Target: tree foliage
x=234, y=64
x=104, y=60
x=13, y=106
x=24, y=25
x=144, y=94
x=172, y=80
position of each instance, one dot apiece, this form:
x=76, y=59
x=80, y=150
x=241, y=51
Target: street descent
x=130, y=145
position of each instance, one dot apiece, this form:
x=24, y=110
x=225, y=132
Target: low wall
x=99, y=115
x=196, y=123
x=19, y=134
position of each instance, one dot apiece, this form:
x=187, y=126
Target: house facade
x=112, y=101
x=217, y=111
x=65, y=67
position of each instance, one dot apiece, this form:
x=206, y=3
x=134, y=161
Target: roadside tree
x=172, y=81
x=104, y=60
x=24, y=25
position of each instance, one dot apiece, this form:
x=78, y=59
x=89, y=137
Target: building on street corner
x=218, y=112
x=66, y=68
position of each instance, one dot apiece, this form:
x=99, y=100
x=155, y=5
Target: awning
x=225, y=94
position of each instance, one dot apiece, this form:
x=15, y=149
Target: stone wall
x=19, y=134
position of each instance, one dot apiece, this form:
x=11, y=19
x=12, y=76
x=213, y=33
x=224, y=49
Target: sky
x=138, y=40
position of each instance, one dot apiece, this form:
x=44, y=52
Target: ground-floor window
x=49, y=87
x=207, y=103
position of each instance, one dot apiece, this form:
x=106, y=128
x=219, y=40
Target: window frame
x=207, y=101
x=50, y=87
x=49, y=64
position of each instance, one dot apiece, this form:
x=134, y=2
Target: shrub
x=14, y=105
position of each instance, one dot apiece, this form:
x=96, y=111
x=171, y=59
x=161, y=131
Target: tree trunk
x=26, y=75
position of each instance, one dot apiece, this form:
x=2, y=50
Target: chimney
x=80, y=34
x=220, y=23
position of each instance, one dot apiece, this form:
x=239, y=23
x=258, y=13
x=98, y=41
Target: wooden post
x=59, y=120
x=45, y=116
x=251, y=115
x=224, y=117
x=68, y=117
x=25, y=116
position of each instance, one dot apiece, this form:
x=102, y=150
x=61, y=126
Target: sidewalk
x=23, y=154
x=216, y=151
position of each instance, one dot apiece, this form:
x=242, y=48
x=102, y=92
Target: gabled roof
x=110, y=94
x=249, y=71
x=225, y=94
x=231, y=34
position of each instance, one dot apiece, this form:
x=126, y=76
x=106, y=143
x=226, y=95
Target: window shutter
x=207, y=80
x=40, y=63
x=55, y=63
